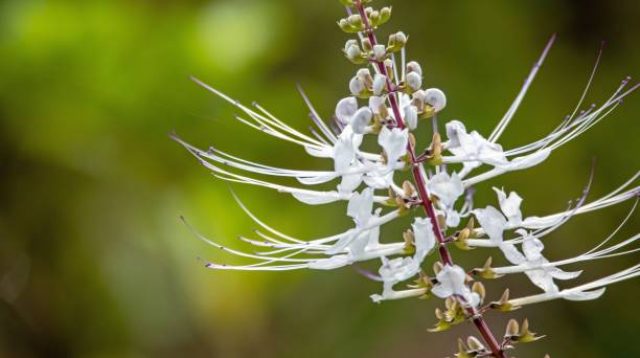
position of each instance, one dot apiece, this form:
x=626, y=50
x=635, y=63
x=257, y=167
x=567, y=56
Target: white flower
x=534, y=263
x=344, y=159
x=510, y=206
x=472, y=146
x=451, y=281
x=394, y=142
x=395, y=271
x=403, y=268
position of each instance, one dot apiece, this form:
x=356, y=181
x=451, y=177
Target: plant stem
x=423, y=192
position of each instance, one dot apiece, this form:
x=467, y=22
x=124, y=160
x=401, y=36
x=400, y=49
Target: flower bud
x=355, y=20
x=479, y=288
x=365, y=75
x=379, y=52
x=379, y=84
x=411, y=117
x=366, y=44
x=513, y=328
x=475, y=344
x=437, y=267
x=357, y=86
x=353, y=52
x=409, y=189
x=345, y=109
x=413, y=66
x=396, y=41
x=360, y=120
x=385, y=15
x=414, y=81
x=374, y=17
x=388, y=65
x=418, y=100
x=346, y=27
x=436, y=99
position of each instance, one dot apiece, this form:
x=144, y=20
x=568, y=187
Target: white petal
x=542, y=279
x=583, y=295
x=559, y=274
x=330, y=263
x=356, y=86
x=349, y=183
x=414, y=81
x=413, y=66
x=398, y=269
x=492, y=221
x=346, y=108
x=379, y=83
x=360, y=206
x=425, y=239
x=376, y=180
x=375, y=102
x=411, y=117
x=453, y=218
x=319, y=152
x=527, y=161
x=512, y=254
x=360, y=120
x=450, y=281
x=436, y=99
x=394, y=141
x=343, y=153
x=532, y=247
x=314, y=199
x=510, y=206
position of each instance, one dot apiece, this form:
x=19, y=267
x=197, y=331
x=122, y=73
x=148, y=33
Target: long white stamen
x=504, y=122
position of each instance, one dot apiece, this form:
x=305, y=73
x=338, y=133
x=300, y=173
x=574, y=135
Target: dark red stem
x=423, y=192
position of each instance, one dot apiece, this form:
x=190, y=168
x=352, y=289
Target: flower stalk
x=423, y=192
x=396, y=106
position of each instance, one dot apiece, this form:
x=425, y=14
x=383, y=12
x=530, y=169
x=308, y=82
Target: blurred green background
x=94, y=261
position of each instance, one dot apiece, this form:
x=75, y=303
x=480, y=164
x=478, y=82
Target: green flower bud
x=353, y=52
x=385, y=15
x=355, y=21
x=397, y=42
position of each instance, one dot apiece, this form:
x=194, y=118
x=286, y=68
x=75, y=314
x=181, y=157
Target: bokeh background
x=94, y=261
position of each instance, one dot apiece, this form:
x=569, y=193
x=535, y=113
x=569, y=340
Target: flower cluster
x=387, y=102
